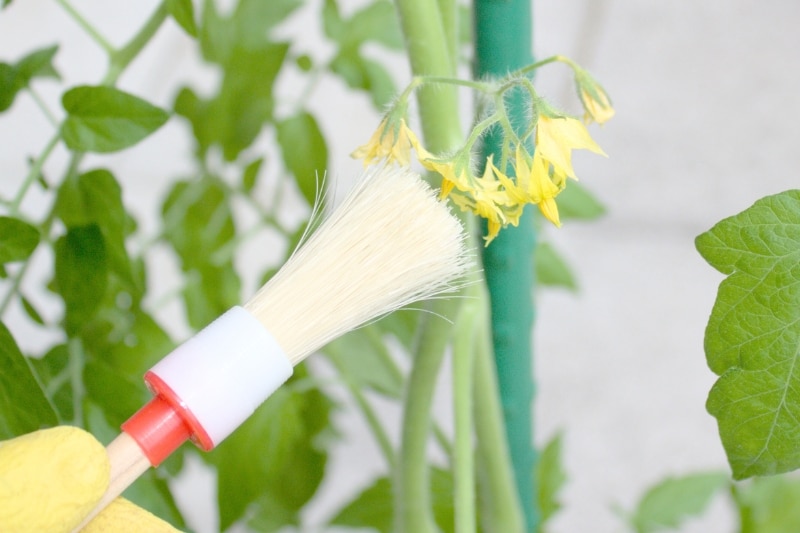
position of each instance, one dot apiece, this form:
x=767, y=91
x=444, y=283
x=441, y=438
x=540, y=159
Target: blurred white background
x=706, y=104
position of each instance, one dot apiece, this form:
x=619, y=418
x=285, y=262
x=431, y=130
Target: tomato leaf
x=18, y=240
x=105, y=119
x=752, y=339
x=23, y=404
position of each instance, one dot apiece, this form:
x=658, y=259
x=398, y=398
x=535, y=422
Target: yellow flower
x=594, y=98
x=454, y=173
x=392, y=141
x=556, y=137
x=597, y=105
x=482, y=206
x=535, y=185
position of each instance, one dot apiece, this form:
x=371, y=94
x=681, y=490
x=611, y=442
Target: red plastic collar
x=165, y=423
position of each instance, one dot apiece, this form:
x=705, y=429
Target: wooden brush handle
x=128, y=462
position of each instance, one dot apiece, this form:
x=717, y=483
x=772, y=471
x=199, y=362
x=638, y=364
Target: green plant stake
x=503, y=43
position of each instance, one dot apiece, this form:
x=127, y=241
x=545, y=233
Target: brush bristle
x=390, y=243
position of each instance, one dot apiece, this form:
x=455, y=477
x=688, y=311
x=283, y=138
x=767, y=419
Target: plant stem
x=87, y=27
x=428, y=52
x=413, y=509
x=33, y=174
x=449, y=13
x=51, y=118
x=463, y=459
x=77, y=360
x=500, y=509
x=120, y=59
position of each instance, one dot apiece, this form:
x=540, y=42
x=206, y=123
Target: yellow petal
x=549, y=209
x=557, y=137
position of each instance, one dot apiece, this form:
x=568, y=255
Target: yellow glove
x=51, y=479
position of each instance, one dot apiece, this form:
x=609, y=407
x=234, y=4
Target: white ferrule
x=225, y=371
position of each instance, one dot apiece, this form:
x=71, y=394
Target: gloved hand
x=51, y=479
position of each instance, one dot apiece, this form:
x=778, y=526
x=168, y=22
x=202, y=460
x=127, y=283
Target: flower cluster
x=499, y=194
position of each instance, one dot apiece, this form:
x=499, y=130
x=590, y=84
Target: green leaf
x=31, y=311
x=304, y=152
x=197, y=223
x=183, y=13
x=95, y=198
x=332, y=23
x=14, y=78
x=55, y=373
x=250, y=175
x=576, y=202
x=380, y=84
x=81, y=274
x=672, y=501
x=104, y=119
x=376, y=22
x=283, y=466
x=753, y=335
x=18, y=240
x=247, y=28
x=38, y=64
x=254, y=19
x=355, y=356
x=768, y=505
x=8, y=86
x=128, y=340
x=23, y=404
x=361, y=73
x=119, y=396
x=373, y=508
x=234, y=117
x=551, y=269
x=304, y=62
x=550, y=479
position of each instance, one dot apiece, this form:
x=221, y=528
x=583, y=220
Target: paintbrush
x=389, y=243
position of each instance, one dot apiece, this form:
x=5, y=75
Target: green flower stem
x=456, y=82
x=87, y=27
x=500, y=508
x=463, y=458
x=527, y=69
x=120, y=59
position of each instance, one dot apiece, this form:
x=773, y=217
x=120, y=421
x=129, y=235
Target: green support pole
x=503, y=44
